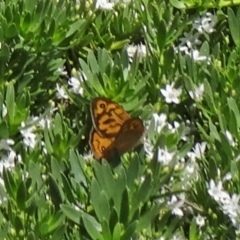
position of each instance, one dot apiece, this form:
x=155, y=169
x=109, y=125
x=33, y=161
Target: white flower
x=171, y=94
x=45, y=122
x=75, y=85
x=164, y=156
x=198, y=151
x=197, y=93
x=178, y=236
x=62, y=71
x=104, y=5
x=88, y=156
x=200, y=221
x=196, y=56
x=4, y=111
x=173, y=128
x=139, y=49
x=159, y=121
x=230, y=139
x=29, y=137
x=7, y=161
x=44, y=149
x=216, y=191
x=231, y=207
x=61, y=94
x=189, y=41
x=175, y=205
x=190, y=168
x=148, y=148
x=227, y=177
x=5, y=144
x=205, y=23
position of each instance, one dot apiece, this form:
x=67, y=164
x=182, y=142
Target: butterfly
x=113, y=129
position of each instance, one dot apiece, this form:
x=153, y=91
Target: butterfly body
x=113, y=129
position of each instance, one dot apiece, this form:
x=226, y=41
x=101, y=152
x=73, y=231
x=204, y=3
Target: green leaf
x=130, y=230
x=121, y=183
x=104, y=177
x=35, y=173
x=86, y=69
x=209, y=95
x=233, y=106
x=234, y=170
x=193, y=234
x=47, y=141
x=92, y=62
x=54, y=191
x=53, y=222
x=55, y=169
x=234, y=27
x=60, y=232
x=226, y=146
x=4, y=133
x=113, y=219
x=110, y=185
x=71, y=213
x=214, y=132
x=132, y=172
x=161, y=36
x=10, y=102
x=31, y=236
x=117, y=232
x=95, y=193
x=77, y=166
x=92, y=226
x=148, y=216
x=68, y=191
x=12, y=31
x=103, y=59
x=143, y=193
x=9, y=183
x=21, y=196
x=18, y=224
x=75, y=27
x=178, y=4
x=105, y=230
x=103, y=206
x=4, y=53
x=124, y=207
x=30, y=5
x=58, y=126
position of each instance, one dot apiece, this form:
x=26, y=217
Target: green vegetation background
x=59, y=193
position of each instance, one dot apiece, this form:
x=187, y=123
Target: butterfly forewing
x=114, y=131
x=107, y=117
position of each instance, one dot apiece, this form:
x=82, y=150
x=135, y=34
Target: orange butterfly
x=113, y=129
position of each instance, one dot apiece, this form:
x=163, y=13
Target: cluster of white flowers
x=189, y=167
x=140, y=50
x=75, y=86
x=190, y=41
x=109, y=4
x=8, y=155
x=29, y=131
x=197, y=93
x=228, y=203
